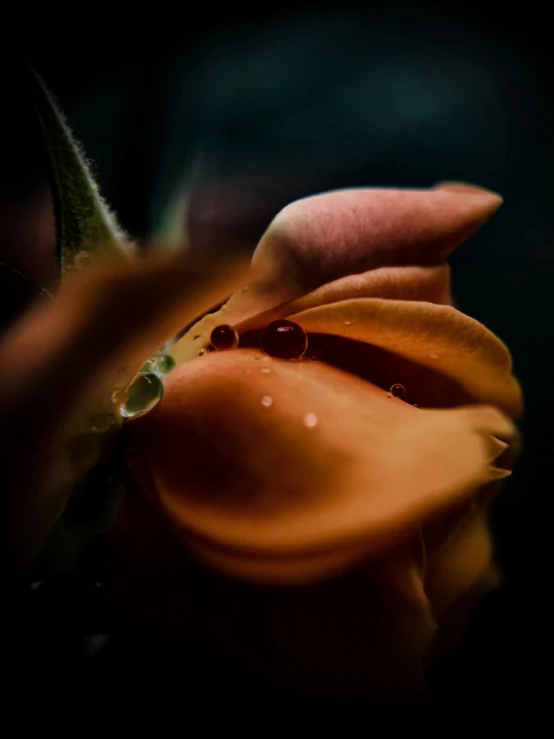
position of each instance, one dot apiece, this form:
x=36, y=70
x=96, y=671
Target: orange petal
x=360, y=635
x=323, y=238
x=254, y=480
x=459, y=574
x=431, y=284
x=61, y=363
x=455, y=568
x=329, y=237
x=435, y=336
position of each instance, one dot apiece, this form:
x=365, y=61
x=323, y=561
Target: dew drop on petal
x=415, y=405
x=224, y=337
x=284, y=339
x=202, y=352
x=267, y=400
x=144, y=393
x=310, y=420
x=434, y=355
x=148, y=366
x=257, y=356
x=397, y=390
x=348, y=323
x=265, y=371
x=162, y=364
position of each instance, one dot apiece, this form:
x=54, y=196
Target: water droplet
x=415, y=405
x=224, y=337
x=202, y=352
x=265, y=370
x=148, y=366
x=434, y=355
x=397, y=390
x=284, y=339
x=389, y=395
x=160, y=364
x=144, y=393
x=82, y=259
x=266, y=359
x=267, y=400
x=257, y=356
x=310, y=420
x=348, y=323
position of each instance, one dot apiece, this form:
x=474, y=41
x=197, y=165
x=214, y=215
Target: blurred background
x=215, y=124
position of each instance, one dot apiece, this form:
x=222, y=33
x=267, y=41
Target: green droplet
x=163, y=364
x=144, y=393
x=159, y=364
x=149, y=365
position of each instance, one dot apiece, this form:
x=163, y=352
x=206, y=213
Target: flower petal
x=325, y=237
x=457, y=567
x=61, y=363
x=363, y=634
x=431, y=284
x=336, y=235
x=436, y=336
x=459, y=574
x=259, y=480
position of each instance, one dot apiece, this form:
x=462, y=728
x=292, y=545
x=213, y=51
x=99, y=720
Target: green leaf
x=83, y=220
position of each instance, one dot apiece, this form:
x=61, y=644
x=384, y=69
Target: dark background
x=252, y=111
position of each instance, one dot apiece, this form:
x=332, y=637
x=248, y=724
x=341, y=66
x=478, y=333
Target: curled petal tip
x=469, y=189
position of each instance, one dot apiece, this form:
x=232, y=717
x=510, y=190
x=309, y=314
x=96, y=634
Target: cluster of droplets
x=281, y=339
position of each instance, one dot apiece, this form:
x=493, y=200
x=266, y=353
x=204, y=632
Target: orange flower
x=340, y=527
x=357, y=517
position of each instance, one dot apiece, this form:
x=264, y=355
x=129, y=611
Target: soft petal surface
x=435, y=336
x=349, y=233
x=429, y=284
x=61, y=363
x=363, y=633
x=258, y=481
